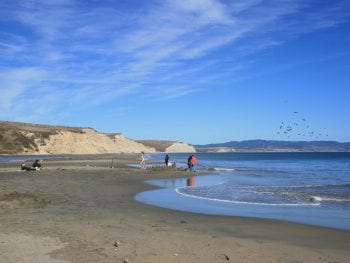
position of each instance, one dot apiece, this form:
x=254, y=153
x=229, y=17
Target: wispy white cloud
x=168, y=92
x=15, y=82
x=83, y=53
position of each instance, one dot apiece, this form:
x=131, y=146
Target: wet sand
x=79, y=210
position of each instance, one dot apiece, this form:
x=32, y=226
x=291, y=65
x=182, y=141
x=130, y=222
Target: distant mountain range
x=276, y=146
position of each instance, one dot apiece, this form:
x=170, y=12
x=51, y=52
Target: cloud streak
x=83, y=53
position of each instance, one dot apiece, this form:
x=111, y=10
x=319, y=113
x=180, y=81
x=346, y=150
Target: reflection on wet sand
x=190, y=181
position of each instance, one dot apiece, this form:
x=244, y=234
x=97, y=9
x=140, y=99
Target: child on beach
x=143, y=163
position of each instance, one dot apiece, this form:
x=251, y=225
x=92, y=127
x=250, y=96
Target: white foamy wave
x=243, y=202
x=223, y=169
x=327, y=199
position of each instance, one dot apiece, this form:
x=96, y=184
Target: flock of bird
x=300, y=127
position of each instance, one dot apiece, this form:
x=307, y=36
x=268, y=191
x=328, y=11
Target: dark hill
x=265, y=145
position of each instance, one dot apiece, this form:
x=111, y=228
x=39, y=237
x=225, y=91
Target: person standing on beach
x=143, y=163
x=166, y=160
x=191, y=161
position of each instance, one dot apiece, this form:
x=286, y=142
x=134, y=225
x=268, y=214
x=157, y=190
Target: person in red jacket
x=191, y=161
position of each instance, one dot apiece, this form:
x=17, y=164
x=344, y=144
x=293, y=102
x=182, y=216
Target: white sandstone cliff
x=180, y=147
x=88, y=142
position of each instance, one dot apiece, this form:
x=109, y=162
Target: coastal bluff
x=25, y=138
x=168, y=146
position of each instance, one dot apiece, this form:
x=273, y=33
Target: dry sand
x=79, y=210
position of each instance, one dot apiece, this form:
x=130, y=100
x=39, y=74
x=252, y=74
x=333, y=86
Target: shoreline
x=168, y=189
x=84, y=208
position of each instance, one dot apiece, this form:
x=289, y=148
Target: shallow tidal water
x=309, y=188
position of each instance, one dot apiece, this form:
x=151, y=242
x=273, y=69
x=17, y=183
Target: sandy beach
x=80, y=210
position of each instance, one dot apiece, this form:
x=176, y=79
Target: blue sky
x=199, y=71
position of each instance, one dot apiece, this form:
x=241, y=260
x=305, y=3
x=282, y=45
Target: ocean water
x=309, y=188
